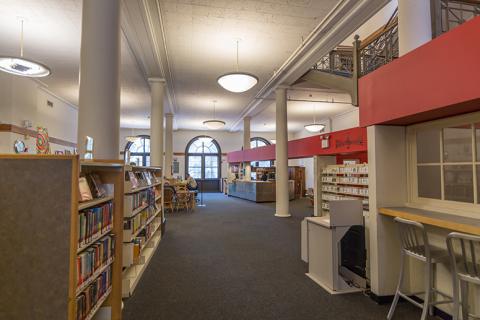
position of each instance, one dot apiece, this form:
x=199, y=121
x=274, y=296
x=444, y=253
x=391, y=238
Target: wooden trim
x=38, y=156
x=5, y=127
x=442, y=220
x=375, y=35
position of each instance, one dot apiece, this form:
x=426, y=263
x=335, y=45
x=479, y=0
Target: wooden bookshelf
x=41, y=214
x=139, y=244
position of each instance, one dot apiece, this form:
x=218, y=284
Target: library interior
x=243, y=159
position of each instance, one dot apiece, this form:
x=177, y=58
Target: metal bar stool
x=464, y=252
x=414, y=243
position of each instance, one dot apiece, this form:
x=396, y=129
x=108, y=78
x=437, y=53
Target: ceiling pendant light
x=314, y=127
x=237, y=81
x=23, y=67
x=214, y=124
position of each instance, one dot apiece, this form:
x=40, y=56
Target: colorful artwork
x=43, y=146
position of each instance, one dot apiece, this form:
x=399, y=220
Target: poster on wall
x=43, y=145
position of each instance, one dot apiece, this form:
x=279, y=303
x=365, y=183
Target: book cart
x=143, y=222
x=61, y=259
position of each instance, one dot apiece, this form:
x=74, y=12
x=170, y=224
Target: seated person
x=264, y=176
x=191, y=183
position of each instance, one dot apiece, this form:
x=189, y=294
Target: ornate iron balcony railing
x=448, y=14
x=338, y=61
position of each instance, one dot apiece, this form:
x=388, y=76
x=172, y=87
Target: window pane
x=459, y=183
x=137, y=146
x=477, y=134
x=457, y=144
x=211, y=173
x=196, y=147
x=196, y=173
x=253, y=144
x=147, y=145
x=195, y=161
x=147, y=161
x=136, y=159
x=210, y=148
x=429, y=182
x=428, y=146
x=211, y=161
x=260, y=143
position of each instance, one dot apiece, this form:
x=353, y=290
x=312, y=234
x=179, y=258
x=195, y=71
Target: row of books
x=90, y=186
x=94, y=258
x=142, y=198
x=137, y=222
x=88, y=299
x=94, y=221
x=140, y=178
x=346, y=190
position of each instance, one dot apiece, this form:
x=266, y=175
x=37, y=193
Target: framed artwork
x=43, y=145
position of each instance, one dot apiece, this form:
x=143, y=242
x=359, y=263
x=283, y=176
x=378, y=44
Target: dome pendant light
x=314, y=127
x=23, y=67
x=237, y=81
x=214, y=124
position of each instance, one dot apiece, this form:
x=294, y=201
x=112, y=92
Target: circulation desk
x=258, y=191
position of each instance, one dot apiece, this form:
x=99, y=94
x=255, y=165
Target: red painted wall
x=340, y=142
x=436, y=80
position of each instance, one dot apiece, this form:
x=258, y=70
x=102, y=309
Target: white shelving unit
x=140, y=244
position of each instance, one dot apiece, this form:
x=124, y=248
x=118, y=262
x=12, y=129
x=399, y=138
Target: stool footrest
x=404, y=296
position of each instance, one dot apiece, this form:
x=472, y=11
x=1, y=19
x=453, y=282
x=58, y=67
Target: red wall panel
x=438, y=79
x=340, y=142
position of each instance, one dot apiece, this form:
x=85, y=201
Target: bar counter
x=258, y=191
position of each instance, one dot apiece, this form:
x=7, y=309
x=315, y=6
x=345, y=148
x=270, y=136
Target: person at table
x=191, y=183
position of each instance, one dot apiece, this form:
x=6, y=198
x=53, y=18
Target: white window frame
x=447, y=206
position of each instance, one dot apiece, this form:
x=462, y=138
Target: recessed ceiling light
x=21, y=66
x=237, y=81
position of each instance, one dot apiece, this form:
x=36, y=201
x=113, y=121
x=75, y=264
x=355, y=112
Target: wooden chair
x=183, y=200
x=168, y=197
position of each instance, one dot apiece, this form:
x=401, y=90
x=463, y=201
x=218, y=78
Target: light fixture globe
x=214, y=124
x=237, y=81
x=314, y=127
x=23, y=67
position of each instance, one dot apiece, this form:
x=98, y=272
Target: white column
x=157, y=87
x=281, y=154
x=99, y=96
x=246, y=146
x=414, y=24
x=168, y=144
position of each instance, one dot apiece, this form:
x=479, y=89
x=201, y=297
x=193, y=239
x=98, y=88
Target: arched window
x=258, y=142
x=203, y=158
x=139, y=150
x=255, y=143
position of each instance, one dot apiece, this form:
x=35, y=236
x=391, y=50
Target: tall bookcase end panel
x=70, y=267
x=143, y=222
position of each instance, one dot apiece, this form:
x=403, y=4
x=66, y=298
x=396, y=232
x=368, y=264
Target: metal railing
x=338, y=61
x=380, y=50
x=448, y=14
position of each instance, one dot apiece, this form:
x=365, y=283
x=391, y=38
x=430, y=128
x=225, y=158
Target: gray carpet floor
x=234, y=260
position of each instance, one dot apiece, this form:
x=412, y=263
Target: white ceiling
x=199, y=38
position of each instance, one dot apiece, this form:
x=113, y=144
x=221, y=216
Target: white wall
x=341, y=122
x=24, y=99
x=374, y=23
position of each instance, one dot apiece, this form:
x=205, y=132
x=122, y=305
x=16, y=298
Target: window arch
x=257, y=142
x=203, y=158
x=139, y=150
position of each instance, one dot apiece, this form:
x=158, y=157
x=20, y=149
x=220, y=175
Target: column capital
x=157, y=80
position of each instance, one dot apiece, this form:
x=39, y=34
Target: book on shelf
x=94, y=258
x=130, y=175
x=93, y=221
x=90, y=297
x=85, y=193
x=96, y=186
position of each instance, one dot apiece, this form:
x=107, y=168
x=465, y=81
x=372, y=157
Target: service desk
x=258, y=191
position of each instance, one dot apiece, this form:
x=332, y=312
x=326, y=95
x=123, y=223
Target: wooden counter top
x=433, y=218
